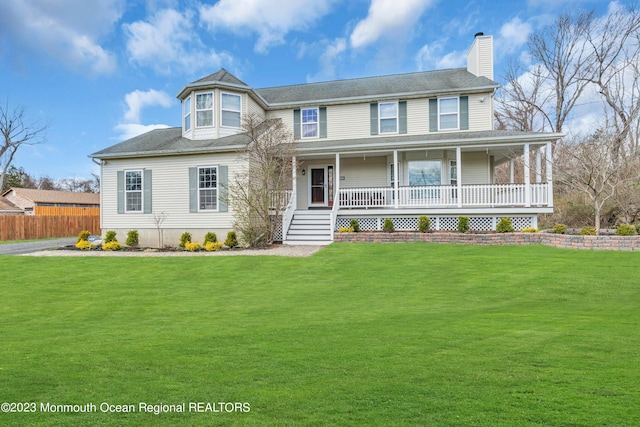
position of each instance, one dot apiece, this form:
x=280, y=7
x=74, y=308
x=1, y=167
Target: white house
x=393, y=146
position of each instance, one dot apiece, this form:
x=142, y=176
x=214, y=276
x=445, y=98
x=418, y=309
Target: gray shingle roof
x=420, y=83
x=169, y=141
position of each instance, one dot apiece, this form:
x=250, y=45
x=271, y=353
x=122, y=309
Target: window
x=133, y=191
x=231, y=110
x=208, y=188
x=424, y=172
x=187, y=114
x=388, y=113
x=310, y=123
x=453, y=172
x=204, y=109
x=448, y=113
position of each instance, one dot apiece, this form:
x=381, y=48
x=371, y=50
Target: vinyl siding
x=417, y=116
x=285, y=115
x=253, y=108
x=480, y=112
x=361, y=172
x=170, y=183
x=475, y=168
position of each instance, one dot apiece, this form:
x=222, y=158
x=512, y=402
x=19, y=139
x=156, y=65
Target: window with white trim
x=448, y=117
x=204, y=109
x=388, y=116
x=309, y=122
x=186, y=112
x=208, y=188
x=133, y=191
x=453, y=172
x=231, y=110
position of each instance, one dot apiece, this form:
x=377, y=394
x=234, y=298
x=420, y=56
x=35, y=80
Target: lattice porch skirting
x=438, y=223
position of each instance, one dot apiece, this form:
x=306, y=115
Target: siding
x=253, y=108
x=359, y=172
x=475, y=168
x=480, y=113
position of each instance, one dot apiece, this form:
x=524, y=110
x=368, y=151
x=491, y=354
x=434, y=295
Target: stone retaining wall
x=614, y=243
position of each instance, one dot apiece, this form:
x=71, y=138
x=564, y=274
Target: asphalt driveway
x=28, y=247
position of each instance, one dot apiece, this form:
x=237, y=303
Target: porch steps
x=309, y=228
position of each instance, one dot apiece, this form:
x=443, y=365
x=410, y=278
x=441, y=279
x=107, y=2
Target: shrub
x=504, y=226
x=355, y=225
x=587, y=231
x=84, y=245
x=210, y=237
x=184, y=239
x=424, y=224
x=213, y=246
x=111, y=246
x=345, y=230
x=110, y=237
x=84, y=236
x=625, y=230
x=387, y=226
x=192, y=247
x=530, y=230
x=132, y=238
x=463, y=224
x=559, y=229
x=231, y=240
x=638, y=228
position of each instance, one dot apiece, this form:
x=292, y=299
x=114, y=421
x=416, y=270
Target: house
x=393, y=146
x=52, y=202
x=8, y=208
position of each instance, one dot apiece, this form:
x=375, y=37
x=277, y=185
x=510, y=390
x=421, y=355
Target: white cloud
x=388, y=19
x=66, y=30
x=129, y=130
x=270, y=19
x=137, y=100
x=432, y=57
x=168, y=42
x=513, y=35
x=328, y=60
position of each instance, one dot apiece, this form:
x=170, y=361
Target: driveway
x=41, y=245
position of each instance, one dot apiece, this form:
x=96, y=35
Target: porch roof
x=429, y=141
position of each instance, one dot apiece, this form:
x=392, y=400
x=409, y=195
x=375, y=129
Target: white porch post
x=527, y=176
x=395, y=178
x=294, y=175
x=549, y=155
x=512, y=178
x=459, y=175
x=336, y=199
x=539, y=165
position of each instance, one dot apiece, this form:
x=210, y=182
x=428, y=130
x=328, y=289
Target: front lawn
x=358, y=334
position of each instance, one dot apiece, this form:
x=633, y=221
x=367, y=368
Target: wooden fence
x=62, y=211
x=25, y=227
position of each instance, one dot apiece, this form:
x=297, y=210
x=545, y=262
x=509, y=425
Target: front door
x=318, y=186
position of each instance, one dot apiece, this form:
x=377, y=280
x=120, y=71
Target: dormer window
x=231, y=110
x=204, y=109
x=310, y=123
x=388, y=117
x=186, y=112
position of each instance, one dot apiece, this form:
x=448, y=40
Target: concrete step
x=306, y=231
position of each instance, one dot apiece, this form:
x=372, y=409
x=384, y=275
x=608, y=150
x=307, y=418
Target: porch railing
x=442, y=196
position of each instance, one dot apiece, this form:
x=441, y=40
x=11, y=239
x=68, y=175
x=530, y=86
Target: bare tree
x=16, y=132
x=588, y=167
x=158, y=219
x=258, y=193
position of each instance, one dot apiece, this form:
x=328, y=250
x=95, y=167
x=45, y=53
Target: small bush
x=625, y=230
x=132, y=238
x=210, y=237
x=355, y=225
x=110, y=237
x=192, y=247
x=84, y=236
x=638, y=228
x=111, y=246
x=530, y=230
x=387, y=226
x=463, y=224
x=212, y=246
x=345, y=230
x=184, y=239
x=587, y=231
x=424, y=224
x=504, y=226
x=84, y=245
x=559, y=229
x=231, y=240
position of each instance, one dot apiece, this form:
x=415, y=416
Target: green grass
x=397, y=334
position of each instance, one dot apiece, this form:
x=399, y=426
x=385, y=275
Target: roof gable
x=55, y=196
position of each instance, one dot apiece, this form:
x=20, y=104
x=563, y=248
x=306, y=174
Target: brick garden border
x=613, y=243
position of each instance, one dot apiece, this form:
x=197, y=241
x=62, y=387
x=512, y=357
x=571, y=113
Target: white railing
x=481, y=195
x=280, y=198
x=334, y=214
x=287, y=216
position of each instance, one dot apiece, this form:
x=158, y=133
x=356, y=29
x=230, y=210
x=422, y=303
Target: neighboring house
x=52, y=202
x=8, y=208
x=395, y=146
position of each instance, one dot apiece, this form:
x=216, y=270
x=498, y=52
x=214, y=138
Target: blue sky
x=101, y=71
